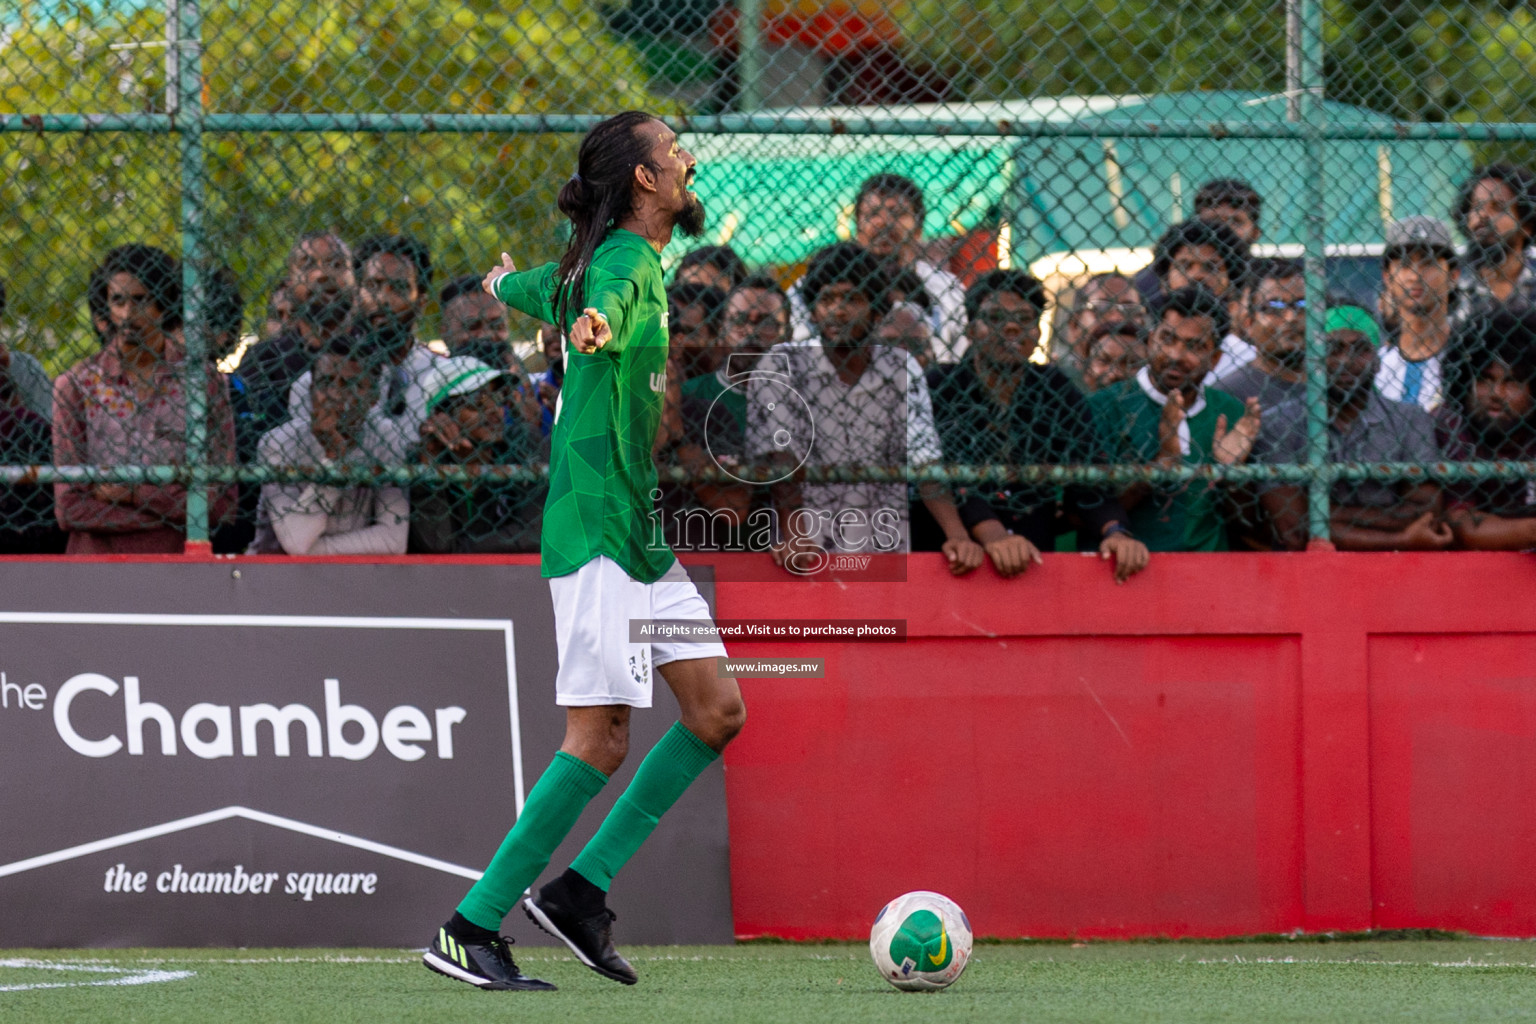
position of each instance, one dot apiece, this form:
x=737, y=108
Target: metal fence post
x=749, y=56
x=189, y=124
x=1314, y=117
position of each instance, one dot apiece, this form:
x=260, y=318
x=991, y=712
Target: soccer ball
x=920, y=941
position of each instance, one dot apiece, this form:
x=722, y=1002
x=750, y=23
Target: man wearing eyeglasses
x=1101, y=300
x=754, y=319
x=1271, y=324
x=996, y=407
x=1273, y=320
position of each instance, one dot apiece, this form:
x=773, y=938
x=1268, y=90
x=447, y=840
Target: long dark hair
x=157, y=270
x=600, y=194
x=1520, y=181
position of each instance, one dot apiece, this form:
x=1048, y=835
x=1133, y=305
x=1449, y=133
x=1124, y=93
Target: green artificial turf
x=1459, y=980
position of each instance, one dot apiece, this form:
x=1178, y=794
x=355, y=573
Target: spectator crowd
x=877, y=357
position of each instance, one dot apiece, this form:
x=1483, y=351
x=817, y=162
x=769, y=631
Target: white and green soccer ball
x=920, y=941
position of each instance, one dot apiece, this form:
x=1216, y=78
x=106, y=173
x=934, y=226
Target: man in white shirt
x=342, y=427
x=848, y=402
x=888, y=222
x=1419, y=272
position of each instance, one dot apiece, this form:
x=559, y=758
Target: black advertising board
x=241, y=754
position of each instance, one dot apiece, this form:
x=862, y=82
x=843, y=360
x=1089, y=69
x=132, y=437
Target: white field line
x=1246, y=960
x=104, y=966
x=535, y=953
x=538, y=953
x=121, y=975
x=279, y=960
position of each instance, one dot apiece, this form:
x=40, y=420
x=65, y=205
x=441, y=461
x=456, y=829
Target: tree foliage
x=1418, y=60
x=66, y=198
x=1002, y=49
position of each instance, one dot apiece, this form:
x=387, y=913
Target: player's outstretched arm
x=528, y=291
x=496, y=273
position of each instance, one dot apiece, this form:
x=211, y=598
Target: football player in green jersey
x=632, y=189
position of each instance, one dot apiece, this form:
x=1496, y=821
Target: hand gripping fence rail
x=1231, y=276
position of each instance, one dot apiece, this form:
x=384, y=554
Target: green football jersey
x=602, y=480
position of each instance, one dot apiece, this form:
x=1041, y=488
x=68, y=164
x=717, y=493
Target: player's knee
x=614, y=748
x=617, y=751
x=605, y=753
x=602, y=742
x=734, y=718
x=720, y=722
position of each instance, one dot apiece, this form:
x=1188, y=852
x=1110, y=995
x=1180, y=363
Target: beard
x=393, y=335
x=885, y=244
x=491, y=353
x=1344, y=394
x=327, y=310
x=1499, y=433
x=1291, y=357
x=1488, y=250
x=840, y=335
x=690, y=219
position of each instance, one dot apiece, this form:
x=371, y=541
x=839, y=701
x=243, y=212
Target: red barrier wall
x=1227, y=744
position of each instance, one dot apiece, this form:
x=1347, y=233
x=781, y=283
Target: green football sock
x=669, y=769
x=549, y=813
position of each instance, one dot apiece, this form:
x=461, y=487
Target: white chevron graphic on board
x=223, y=814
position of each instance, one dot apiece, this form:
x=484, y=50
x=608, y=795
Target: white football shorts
x=593, y=606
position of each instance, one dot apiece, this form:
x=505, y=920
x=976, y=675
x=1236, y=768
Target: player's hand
x=113, y=494
x=495, y=274
x=590, y=331
x=1011, y=554
x=963, y=554
x=1129, y=555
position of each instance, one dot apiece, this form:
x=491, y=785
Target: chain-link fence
x=1025, y=276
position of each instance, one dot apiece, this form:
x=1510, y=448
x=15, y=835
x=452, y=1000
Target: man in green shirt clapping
x=1168, y=417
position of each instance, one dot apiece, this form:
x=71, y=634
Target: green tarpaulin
x=778, y=198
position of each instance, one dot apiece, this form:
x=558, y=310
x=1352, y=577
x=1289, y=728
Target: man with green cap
x=1362, y=427
x=467, y=424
